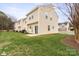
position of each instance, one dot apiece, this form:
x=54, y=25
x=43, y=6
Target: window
x=25, y=22
x=19, y=22
x=46, y=15
x=48, y=27
x=52, y=27
x=30, y=27
x=19, y=27
x=51, y=18
x=32, y=16
x=29, y=18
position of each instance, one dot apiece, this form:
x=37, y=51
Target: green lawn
x=13, y=43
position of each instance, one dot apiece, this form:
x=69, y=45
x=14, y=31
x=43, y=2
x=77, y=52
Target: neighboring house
x=17, y=26
x=41, y=20
x=20, y=25
x=65, y=27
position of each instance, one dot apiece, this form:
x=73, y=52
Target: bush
x=24, y=31
x=16, y=31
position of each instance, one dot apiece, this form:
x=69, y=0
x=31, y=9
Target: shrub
x=24, y=31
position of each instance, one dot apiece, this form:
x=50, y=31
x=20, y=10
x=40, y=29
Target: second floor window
x=25, y=22
x=52, y=27
x=29, y=18
x=32, y=16
x=51, y=18
x=46, y=16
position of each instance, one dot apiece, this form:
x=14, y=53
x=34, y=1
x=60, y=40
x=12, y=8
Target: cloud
x=14, y=11
x=18, y=10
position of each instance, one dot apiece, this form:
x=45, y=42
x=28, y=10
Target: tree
x=72, y=13
x=2, y=20
x=6, y=22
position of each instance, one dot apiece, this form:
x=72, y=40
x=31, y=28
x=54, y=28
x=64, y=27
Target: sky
x=19, y=10
x=16, y=10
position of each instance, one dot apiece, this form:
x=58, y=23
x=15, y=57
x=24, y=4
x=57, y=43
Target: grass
x=44, y=45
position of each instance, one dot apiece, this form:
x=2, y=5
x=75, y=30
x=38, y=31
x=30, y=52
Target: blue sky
x=16, y=10
x=19, y=10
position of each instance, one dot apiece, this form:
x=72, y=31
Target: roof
x=32, y=10
x=63, y=23
x=45, y=5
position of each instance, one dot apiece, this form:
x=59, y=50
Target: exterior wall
x=67, y=26
x=24, y=25
x=35, y=17
x=32, y=22
x=21, y=24
x=31, y=27
x=43, y=22
x=17, y=26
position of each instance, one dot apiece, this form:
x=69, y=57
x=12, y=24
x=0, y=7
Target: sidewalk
x=32, y=35
x=70, y=33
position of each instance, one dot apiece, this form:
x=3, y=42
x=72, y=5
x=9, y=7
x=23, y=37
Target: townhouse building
x=40, y=20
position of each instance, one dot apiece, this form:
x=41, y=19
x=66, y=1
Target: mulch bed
x=70, y=41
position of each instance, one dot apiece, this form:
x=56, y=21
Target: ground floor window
x=19, y=27
x=52, y=27
x=48, y=27
x=36, y=29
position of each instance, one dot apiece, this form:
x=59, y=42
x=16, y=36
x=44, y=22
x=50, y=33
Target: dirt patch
x=70, y=41
x=4, y=44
